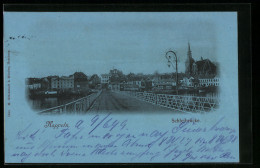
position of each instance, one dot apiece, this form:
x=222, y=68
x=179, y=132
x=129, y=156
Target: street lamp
x=171, y=60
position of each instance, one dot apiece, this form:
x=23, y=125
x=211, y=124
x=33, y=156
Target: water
x=48, y=102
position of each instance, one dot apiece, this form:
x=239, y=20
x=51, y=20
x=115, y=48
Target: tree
x=117, y=76
x=80, y=77
x=94, y=81
x=130, y=76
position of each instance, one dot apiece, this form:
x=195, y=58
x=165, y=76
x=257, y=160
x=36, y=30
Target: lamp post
x=171, y=60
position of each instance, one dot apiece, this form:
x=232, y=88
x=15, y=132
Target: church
x=201, y=68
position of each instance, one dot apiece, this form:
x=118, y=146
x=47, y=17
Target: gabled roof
x=206, y=63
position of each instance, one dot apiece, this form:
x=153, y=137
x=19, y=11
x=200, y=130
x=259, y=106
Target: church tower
x=189, y=61
x=189, y=51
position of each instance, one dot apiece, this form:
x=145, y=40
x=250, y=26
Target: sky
x=61, y=43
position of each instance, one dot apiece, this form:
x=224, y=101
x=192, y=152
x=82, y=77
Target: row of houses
x=164, y=84
x=156, y=81
x=76, y=82
x=79, y=82
x=201, y=82
x=64, y=82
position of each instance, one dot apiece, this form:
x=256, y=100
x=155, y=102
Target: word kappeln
x=191, y=120
x=55, y=126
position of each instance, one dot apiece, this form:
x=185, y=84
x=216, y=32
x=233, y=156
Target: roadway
x=117, y=102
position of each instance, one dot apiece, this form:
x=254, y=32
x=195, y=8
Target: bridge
x=141, y=102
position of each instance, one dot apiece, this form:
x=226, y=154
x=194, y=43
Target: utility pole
x=170, y=63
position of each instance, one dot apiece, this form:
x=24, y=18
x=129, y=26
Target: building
x=164, y=79
x=49, y=78
x=163, y=84
x=209, y=82
x=129, y=87
x=201, y=68
x=187, y=82
x=64, y=82
x=189, y=62
x=80, y=81
x=34, y=86
x=137, y=83
x=162, y=87
x=33, y=83
x=114, y=86
x=170, y=82
x=204, y=68
x=105, y=78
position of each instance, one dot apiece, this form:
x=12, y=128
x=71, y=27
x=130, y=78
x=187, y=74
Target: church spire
x=189, y=51
x=189, y=62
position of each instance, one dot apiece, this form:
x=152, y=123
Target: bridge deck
x=116, y=102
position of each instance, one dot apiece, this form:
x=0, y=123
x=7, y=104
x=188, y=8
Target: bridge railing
x=80, y=105
x=178, y=102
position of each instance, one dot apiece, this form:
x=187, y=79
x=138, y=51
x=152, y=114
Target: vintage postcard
x=121, y=87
